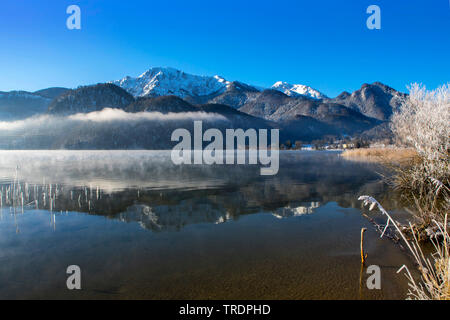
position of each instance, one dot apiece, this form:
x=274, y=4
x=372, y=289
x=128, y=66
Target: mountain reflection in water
x=145, y=187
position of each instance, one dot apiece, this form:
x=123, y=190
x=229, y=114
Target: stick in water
x=363, y=256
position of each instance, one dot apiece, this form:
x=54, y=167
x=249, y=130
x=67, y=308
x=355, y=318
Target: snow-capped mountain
x=169, y=81
x=295, y=90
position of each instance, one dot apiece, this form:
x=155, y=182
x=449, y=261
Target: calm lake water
x=140, y=227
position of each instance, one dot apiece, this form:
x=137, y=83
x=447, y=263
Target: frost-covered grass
x=434, y=283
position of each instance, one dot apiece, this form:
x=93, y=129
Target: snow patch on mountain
x=295, y=90
x=169, y=81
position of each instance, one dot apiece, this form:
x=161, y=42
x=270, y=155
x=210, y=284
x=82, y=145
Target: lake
x=140, y=227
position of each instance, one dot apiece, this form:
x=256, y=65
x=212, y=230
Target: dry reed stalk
x=435, y=269
x=363, y=256
x=382, y=155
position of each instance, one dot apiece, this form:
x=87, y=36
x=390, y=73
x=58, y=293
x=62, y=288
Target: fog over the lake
x=105, y=129
x=105, y=115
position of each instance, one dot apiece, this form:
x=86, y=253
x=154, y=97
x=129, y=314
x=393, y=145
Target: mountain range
x=300, y=112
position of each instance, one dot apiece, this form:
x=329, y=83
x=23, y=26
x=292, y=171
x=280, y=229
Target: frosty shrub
x=423, y=122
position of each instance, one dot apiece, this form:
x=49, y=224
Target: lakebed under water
x=140, y=227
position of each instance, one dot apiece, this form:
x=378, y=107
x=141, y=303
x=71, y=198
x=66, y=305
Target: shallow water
x=140, y=227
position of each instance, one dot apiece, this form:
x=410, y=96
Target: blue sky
x=324, y=44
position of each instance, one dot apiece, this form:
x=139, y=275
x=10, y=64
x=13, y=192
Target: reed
x=434, y=283
x=383, y=155
x=363, y=255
